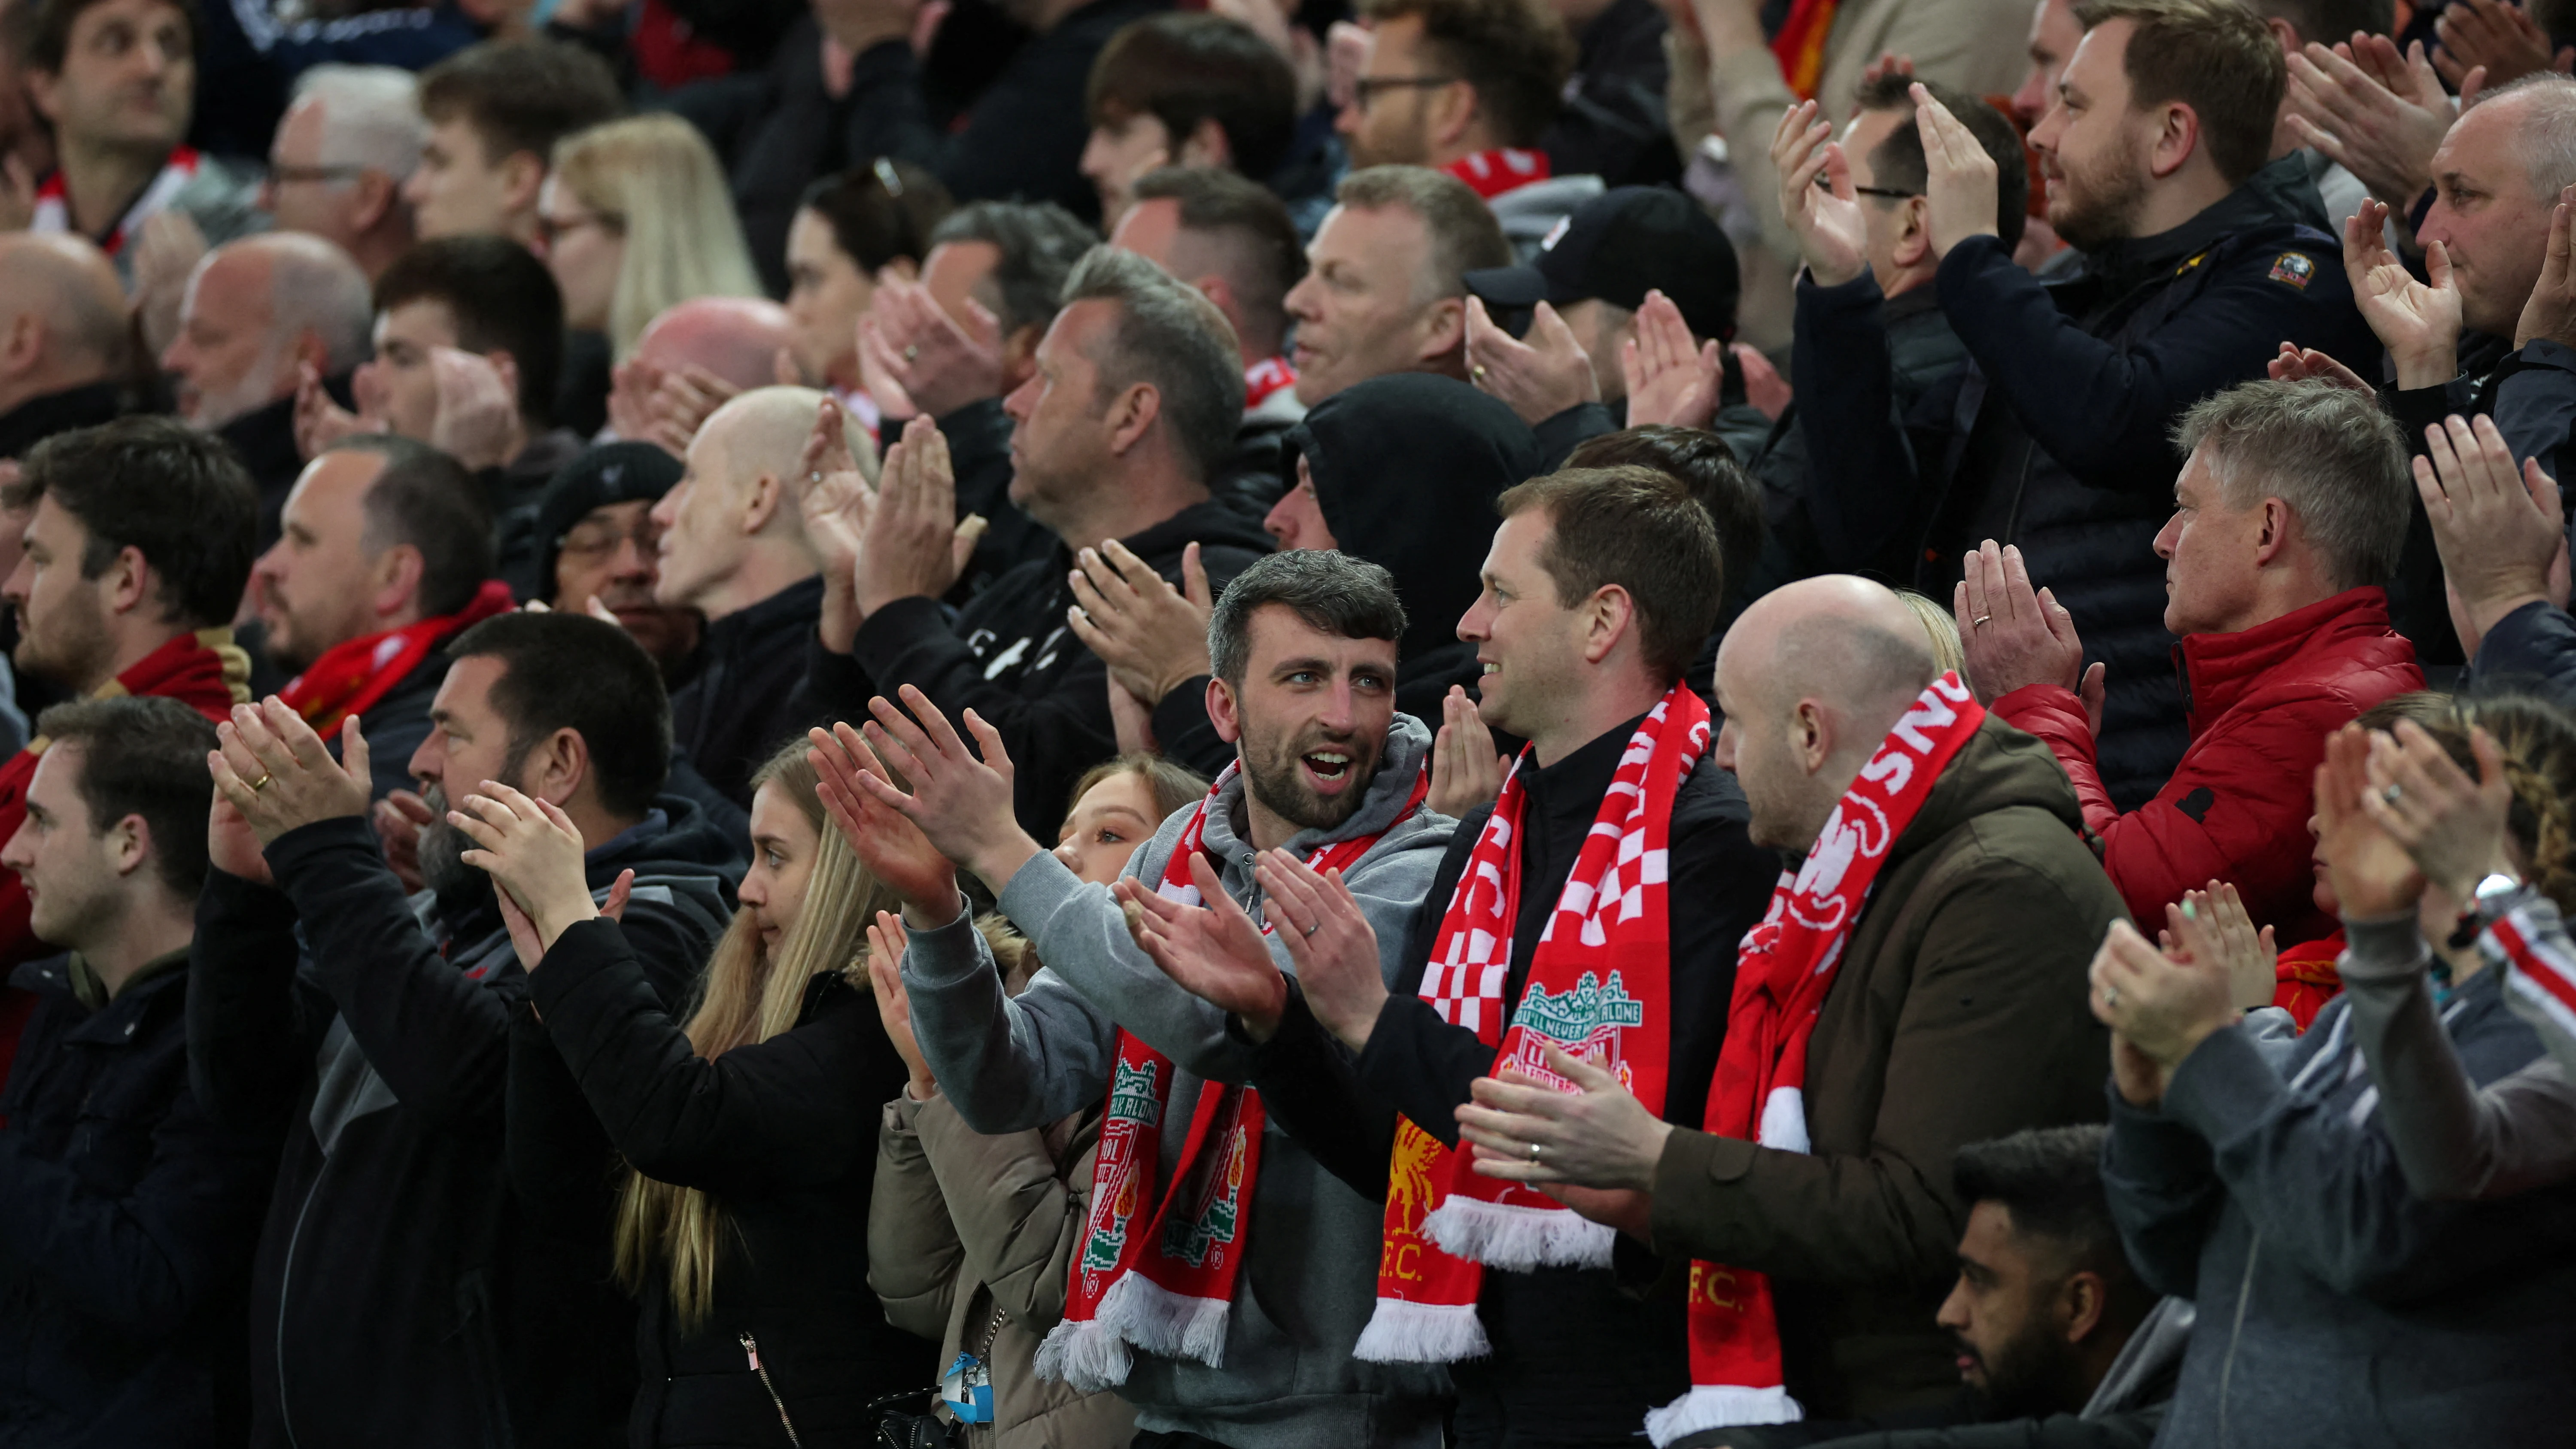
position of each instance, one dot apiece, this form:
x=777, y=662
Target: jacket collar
x=107, y=1021
x=1408, y=747
x=2219, y=670
x=2269, y=197
x=792, y=607
x=40, y=417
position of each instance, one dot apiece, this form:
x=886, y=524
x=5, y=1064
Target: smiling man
x=1385, y=288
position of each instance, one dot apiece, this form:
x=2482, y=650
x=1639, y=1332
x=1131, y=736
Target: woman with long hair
x=743, y=1168
x=635, y=216
x=853, y=232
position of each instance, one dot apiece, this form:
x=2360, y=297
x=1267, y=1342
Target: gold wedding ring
x=262, y=782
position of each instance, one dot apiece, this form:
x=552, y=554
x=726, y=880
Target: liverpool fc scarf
x=1596, y=989
x=1159, y=1275
x=352, y=675
x=1782, y=972
x=53, y=211
x=1505, y=168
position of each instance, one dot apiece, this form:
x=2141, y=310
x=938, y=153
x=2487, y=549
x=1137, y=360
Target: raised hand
x=1212, y=951
x=1465, y=770
x=1816, y=197
x=2418, y=322
x=1764, y=387
x=2212, y=927
x=2550, y=314
x=477, y=422
x=835, y=501
x=892, y=848
x=1671, y=380
x=1959, y=186
x=961, y=803
x=2372, y=874
x=2297, y=364
x=2377, y=114
x=1538, y=376
x=2451, y=826
x=320, y=422
x=2496, y=527
x=894, y=1009
x=1329, y=941
x=231, y=844
x=939, y=364
x=2161, y=1006
x=1151, y=635
x=2015, y=637
x=278, y=774
x=533, y=853
x=2498, y=38
x=166, y=254
x=909, y=548
x=681, y=403
x=399, y=819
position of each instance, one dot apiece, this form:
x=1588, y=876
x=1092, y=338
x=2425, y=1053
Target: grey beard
x=442, y=848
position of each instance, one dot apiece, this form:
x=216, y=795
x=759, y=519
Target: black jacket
x=2532, y=651
x=1575, y=1358
x=39, y=418
x=125, y=1217
x=2057, y=434
x=1612, y=125
x=399, y=1296
x=265, y=439
x=742, y=705
x=767, y=1131
x=1010, y=656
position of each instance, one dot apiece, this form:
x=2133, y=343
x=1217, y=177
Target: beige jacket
x=962, y=1223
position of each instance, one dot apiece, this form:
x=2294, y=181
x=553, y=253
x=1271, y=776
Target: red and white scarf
x=1596, y=989
x=54, y=212
x=1505, y=168
x=1265, y=379
x=1159, y=1275
x=1784, y=969
x=353, y=674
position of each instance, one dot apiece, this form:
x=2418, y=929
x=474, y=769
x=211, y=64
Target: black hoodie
x=1011, y=657
x=399, y=1296
x=1406, y=469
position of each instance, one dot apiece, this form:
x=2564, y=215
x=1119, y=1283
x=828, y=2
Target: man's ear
x=1205, y=145
x=556, y=768
x=41, y=85
x=2177, y=138
x=761, y=503
x=1223, y=712
x=1449, y=111
x=2273, y=534
x=1914, y=236
x=1020, y=357
x=1811, y=734
x=2081, y=1301
x=522, y=173
x=398, y=572
x=377, y=194
x=129, y=583
x=22, y=347
x=129, y=844
x=1444, y=331
x=1131, y=416
x=1609, y=616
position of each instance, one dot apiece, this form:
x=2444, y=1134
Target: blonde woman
x=635, y=216
x=743, y=1168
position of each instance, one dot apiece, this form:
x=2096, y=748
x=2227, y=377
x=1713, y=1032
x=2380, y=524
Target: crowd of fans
x=1763, y=724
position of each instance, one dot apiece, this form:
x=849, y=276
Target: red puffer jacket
x=2261, y=703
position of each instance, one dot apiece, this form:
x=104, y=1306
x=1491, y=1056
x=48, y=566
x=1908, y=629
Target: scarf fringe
x=1085, y=1353
x=1160, y=1321
x=1720, y=1406
x=1503, y=1235
x=1404, y=1331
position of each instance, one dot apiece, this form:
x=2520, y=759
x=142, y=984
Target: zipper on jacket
x=751, y=1351
x=285, y=1280
x=2236, y=1330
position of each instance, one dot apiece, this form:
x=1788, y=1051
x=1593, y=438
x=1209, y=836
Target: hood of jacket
x=1408, y=748
x=1406, y=470
x=2327, y=643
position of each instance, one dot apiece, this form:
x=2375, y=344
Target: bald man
x=692, y=359
x=733, y=547
x=256, y=312
x=63, y=339
x=1945, y=913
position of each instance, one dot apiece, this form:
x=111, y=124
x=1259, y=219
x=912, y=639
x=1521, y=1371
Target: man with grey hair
x=64, y=315
x=2289, y=514
x=342, y=154
x=1386, y=282
x=1135, y=395
x=256, y=313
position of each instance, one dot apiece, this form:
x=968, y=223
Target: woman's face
x=584, y=250
x=826, y=292
x=1107, y=824
x=783, y=847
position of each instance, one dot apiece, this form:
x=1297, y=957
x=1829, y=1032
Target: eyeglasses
x=594, y=541
x=1368, y=87
x=552, y=229
x=1825, y=183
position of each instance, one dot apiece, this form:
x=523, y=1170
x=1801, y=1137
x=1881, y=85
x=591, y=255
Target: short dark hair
x=1897, y=164
x=2213, y=56
x=426, y=499
x=1186, y=67
x=1516, y=53
x=503, y=300
x=2327, y=22
x=2050, y=1180
x=521, y=95
x=570, y=671
x=1640, y=529
x=1168, y=335
x=1039, y=242
x=49, y=35
x=179, y=496
x=1249, y=221
x=880, y=212
x=144, y=755
x=1702, y=462
x=1341, y=595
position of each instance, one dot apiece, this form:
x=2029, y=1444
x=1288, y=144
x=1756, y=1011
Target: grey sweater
x=1288, y=1379
x=2335, y=1306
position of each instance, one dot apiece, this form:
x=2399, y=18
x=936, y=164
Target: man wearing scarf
x=138, y=542
x=1916, y=985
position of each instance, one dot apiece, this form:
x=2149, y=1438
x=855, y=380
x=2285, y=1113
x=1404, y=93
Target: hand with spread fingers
x=2418, y=322
x=533, y=853
x=1212, y=951
x=961, y=803
x=835, y=500
x=477, y=422
x=2298, y=364
x=1465, y=770
x=1537, y=376
x=910, y=547
x=2496, y=527
x=683, y=402
x=894, y=1008
x=2494, y=36
x=1598, y=1135
x=2373, y=112
x=939, y=363
x=2015, y=637
x=525, y=941
x=1330, y=943
x=1671, y=380
x=278, y=774
x=892, y=848
x=1817, y=198
x=2212, y=927
x=1959, y=185
x=2372, y=874
x=2451, y=826
x=1151, y=635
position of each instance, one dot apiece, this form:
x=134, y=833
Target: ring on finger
x=2392, y=794
x=1534, y=1151
x=1311, y=930
x=262, y=782
x=2110, y=996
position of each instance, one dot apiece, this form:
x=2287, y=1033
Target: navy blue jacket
x=126, y=1221
x=2530, y=651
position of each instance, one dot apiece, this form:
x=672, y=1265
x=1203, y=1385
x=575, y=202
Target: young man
x=1598, y=589
x=2291, y=507
x=495, y=111
x=138, y=540
x=1329, y=773
x=1184, y=89
x=397, y=1294
x=125, y=1212
x=1913, y=988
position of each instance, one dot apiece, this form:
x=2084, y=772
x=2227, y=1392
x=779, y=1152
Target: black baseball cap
x=1618, y=246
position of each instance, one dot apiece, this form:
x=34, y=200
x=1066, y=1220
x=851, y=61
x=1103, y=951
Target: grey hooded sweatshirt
x=1309, y=1278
